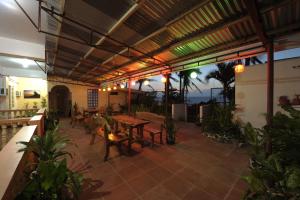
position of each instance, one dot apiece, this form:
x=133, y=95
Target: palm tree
x=186, y=82
x=225, y=75
x=252, y=60
x=140, y=85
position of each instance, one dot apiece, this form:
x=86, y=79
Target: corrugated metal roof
x=167, y=30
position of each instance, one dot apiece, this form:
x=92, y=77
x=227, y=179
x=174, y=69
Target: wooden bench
x=155, y=127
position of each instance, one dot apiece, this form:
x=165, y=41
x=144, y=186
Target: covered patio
x=195, y=168
x=82, y=60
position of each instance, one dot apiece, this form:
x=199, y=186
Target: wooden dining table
x=90, y=111
x=131, y=123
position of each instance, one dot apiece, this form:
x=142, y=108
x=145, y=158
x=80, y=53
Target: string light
x=239, y=68
x=146, y=82
x=122, y=86
x=115, y=87
x=103, y=89
x=108, y=89
x=132, y=82
x=193, y=75
x=163, y=79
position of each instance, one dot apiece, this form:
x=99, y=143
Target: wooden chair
x=76, y=116
x=110, y=139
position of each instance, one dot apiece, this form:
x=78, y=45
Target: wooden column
x=129, y=96
x=167, y=86
x=270, y=93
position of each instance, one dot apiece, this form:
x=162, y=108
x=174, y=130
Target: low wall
x=13, y=164
x=179, y=112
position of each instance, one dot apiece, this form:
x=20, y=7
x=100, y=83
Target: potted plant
x=44, y=102
x=34, y=105
x=51, y=178
x=283, y=100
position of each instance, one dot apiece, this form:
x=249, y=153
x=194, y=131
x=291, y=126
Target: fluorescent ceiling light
x=23, y=61
x=9, y=4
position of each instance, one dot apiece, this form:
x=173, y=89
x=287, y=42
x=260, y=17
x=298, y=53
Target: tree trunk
x=224, y=94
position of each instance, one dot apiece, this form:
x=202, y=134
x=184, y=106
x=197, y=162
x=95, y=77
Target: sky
x=205, y=87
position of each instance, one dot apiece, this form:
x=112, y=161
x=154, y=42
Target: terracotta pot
x=296, y=100
x=283, y=100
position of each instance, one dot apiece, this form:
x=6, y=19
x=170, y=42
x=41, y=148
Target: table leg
x=129, y=140
x=141, y=132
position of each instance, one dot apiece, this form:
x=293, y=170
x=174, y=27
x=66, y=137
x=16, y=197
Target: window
x=92, y=98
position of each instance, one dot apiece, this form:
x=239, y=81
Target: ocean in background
x=196, y=100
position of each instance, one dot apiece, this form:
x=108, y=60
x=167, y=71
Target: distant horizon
x=205, y=87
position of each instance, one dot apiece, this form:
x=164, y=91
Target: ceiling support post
x=167, y=87
x=270, y=92
x=129, y=96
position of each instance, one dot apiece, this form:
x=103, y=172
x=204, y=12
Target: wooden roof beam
x=255, y=16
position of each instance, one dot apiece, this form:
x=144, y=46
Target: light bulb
x=194, y=75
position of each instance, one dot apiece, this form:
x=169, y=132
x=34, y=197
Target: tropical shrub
x=51, y=178
x=275, y=175
x=219, y=123
x=51, y=120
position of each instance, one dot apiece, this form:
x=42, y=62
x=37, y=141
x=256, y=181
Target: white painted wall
x=251, y=89
x=179, y=112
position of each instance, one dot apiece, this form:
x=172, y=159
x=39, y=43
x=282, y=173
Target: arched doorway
x=60, y=100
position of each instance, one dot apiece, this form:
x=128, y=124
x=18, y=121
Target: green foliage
x=34, y=104
x=51, y=179
x=51, y=120
x=220, y=123
x=275, y=175
x=226, y=76
x=44, y=102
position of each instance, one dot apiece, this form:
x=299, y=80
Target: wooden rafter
x=255, y=16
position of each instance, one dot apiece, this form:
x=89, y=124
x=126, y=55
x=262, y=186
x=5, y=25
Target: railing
x=16, y=113
x=38, y=119
x=13, y=164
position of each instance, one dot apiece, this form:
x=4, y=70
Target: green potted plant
x=51, y=178
x=34, y=104
x=44, y=102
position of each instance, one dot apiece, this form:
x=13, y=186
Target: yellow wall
x=21, y=84
x=78, y=92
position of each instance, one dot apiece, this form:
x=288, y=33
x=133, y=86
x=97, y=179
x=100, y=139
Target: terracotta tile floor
x=195, y=168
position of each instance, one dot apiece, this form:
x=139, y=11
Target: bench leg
x=161, y=138
x=152, y=139
x=93, y=139
x=107, y=148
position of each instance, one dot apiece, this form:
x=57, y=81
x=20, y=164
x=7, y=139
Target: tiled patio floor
x=195, y=168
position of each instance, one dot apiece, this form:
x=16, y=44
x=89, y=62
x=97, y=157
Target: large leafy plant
x=275, y=175
x=51, y=178
x=219, y=123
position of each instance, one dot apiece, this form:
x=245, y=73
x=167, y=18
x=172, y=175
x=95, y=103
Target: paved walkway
x=195, y=168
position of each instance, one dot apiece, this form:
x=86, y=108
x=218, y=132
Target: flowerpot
x=283, y=100
x=296, y=100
